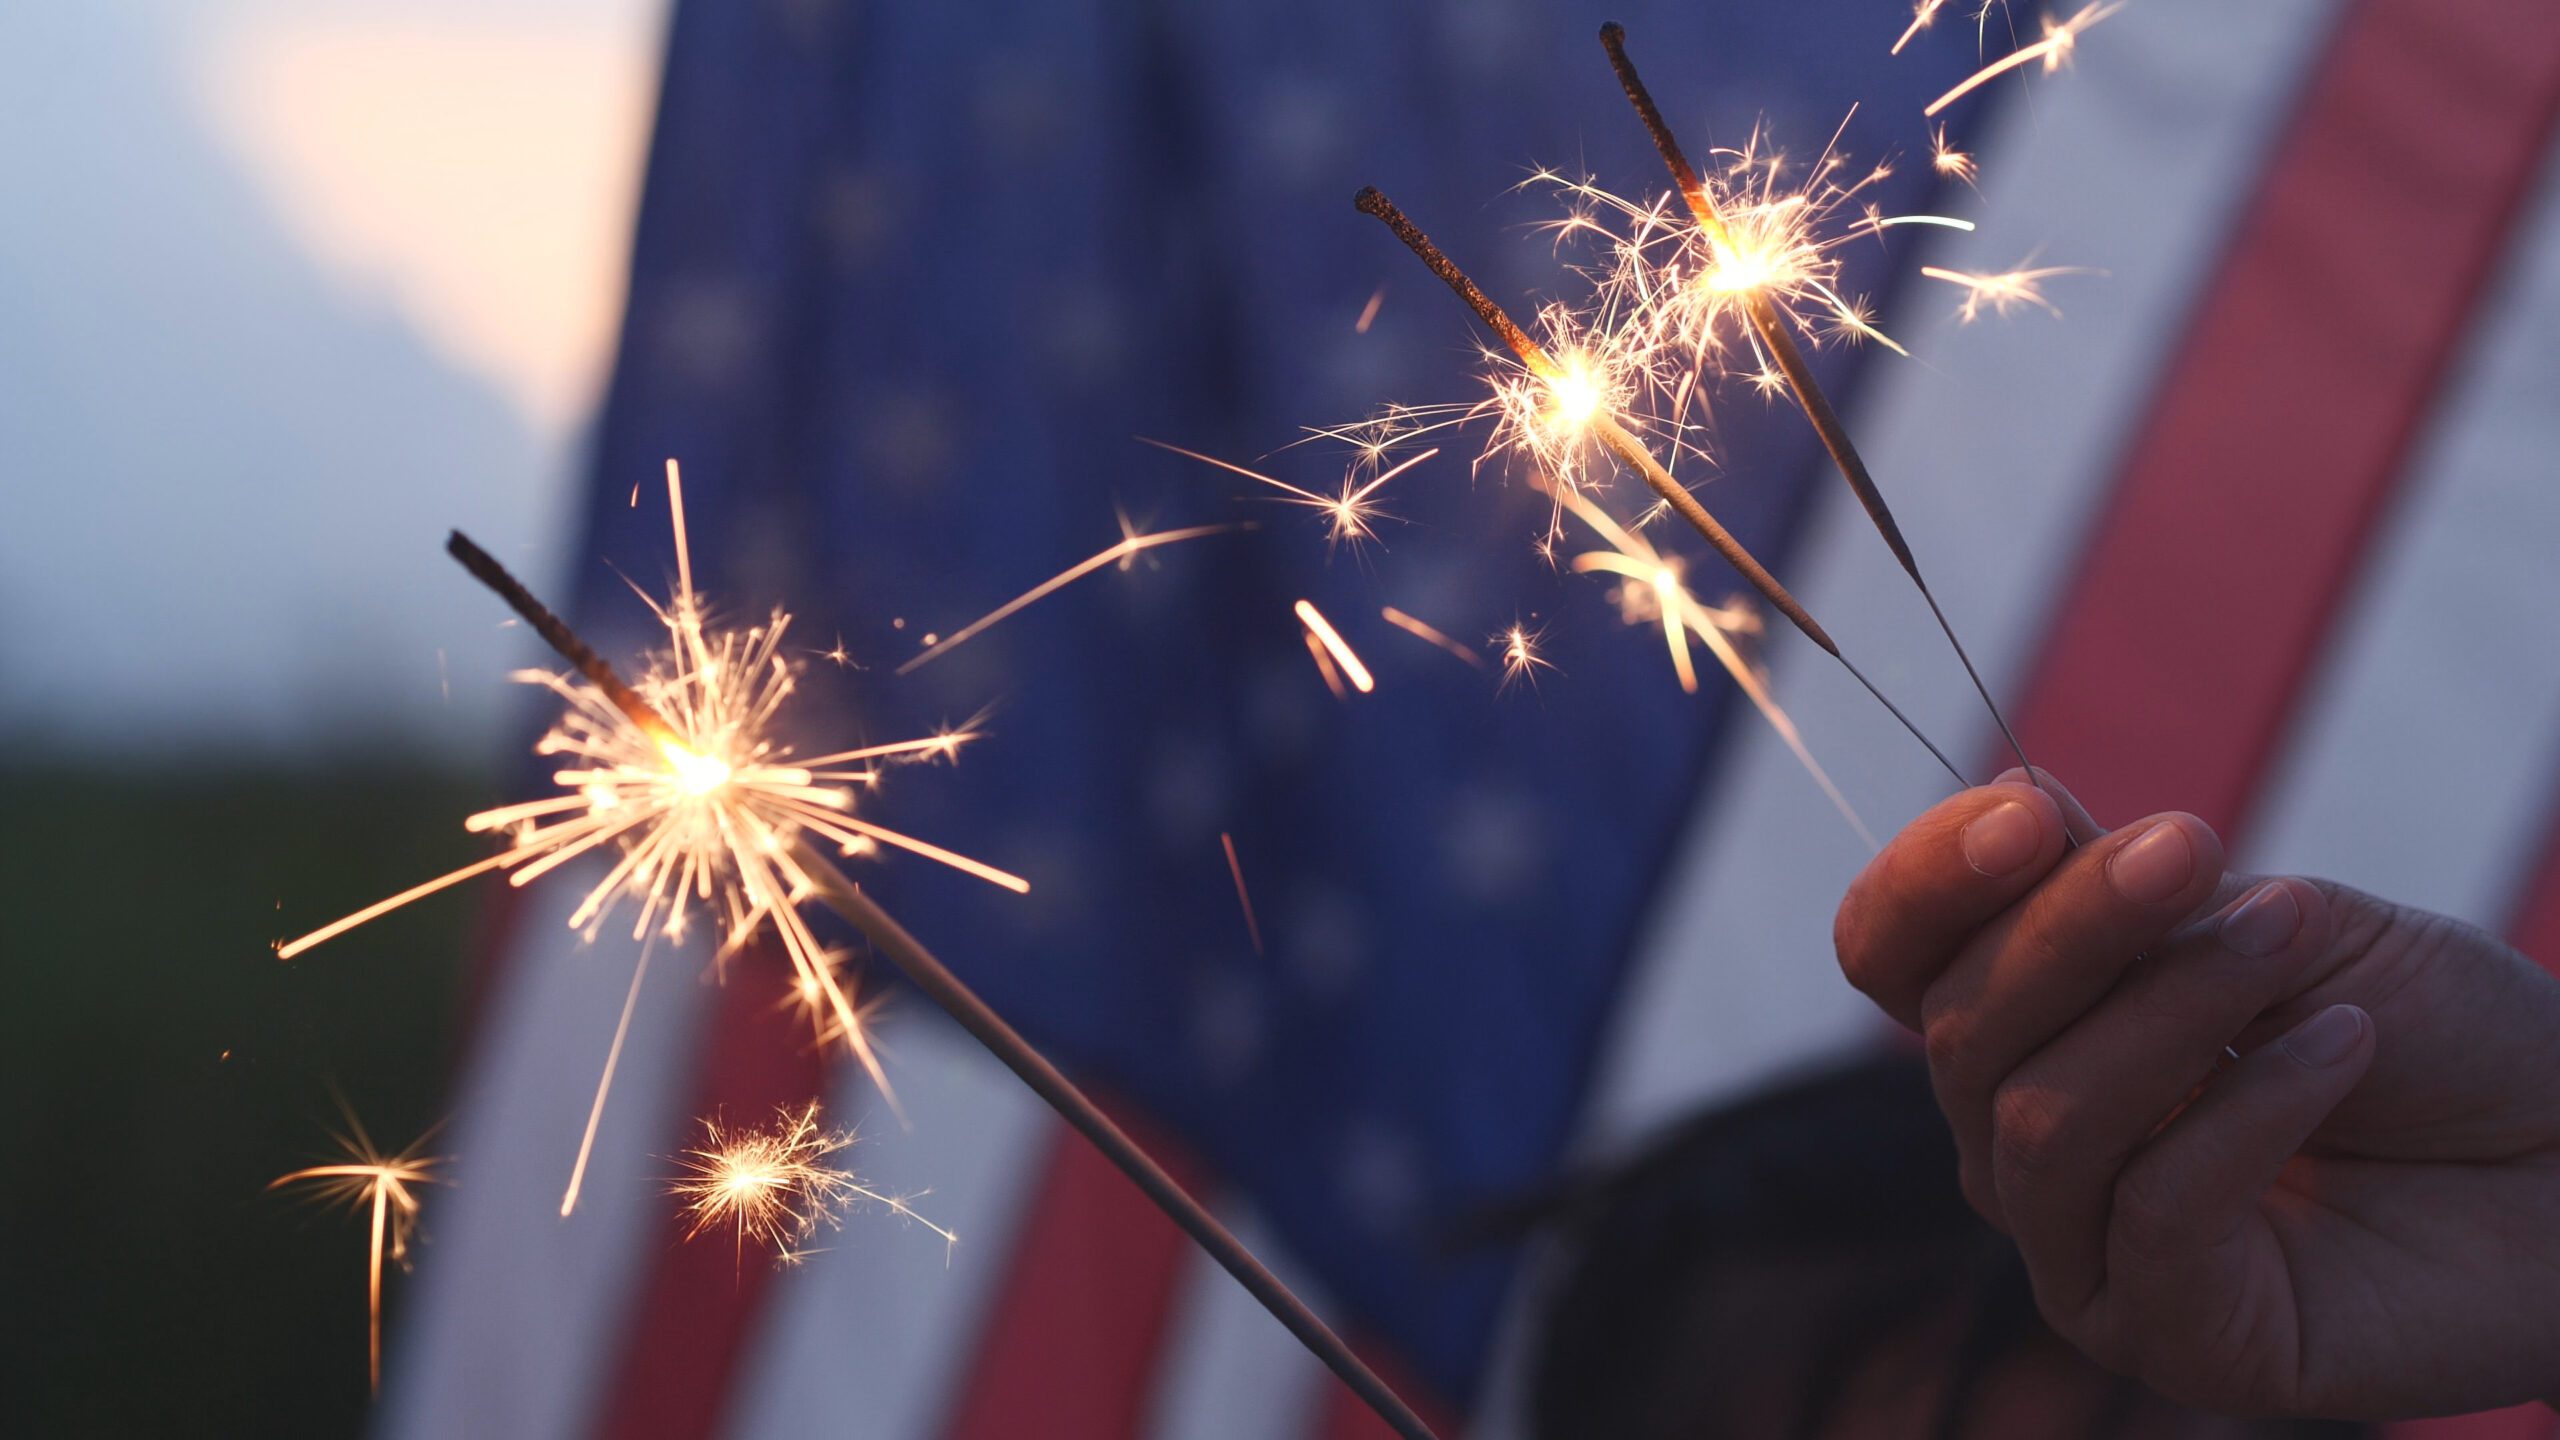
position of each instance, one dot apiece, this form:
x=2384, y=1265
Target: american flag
x=2261, y=528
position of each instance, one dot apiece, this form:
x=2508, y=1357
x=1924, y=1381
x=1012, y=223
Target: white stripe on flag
x=518, y=1314
x=1997, y=444
x=2423, y=767
x=868, y=1338
x=1229, y=1369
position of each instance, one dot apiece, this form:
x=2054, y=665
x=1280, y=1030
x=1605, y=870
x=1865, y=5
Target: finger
x=1964, y=861
x=2065, y=1122
x=2038, y=967
x=2179, y=1243
x=2075, y=816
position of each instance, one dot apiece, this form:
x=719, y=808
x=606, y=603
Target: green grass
x=158, y=1066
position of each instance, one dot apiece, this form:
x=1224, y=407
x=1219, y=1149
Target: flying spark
x=776, y=1185
x=1132, y=544
x=1652, y=591
x=2002, y=292
x=1418, y=629
x=683, y=775
x=1350, y=516
x=1369, y=312
x=1520, y=657
x=1244, y=897
x=1323, y=631
x=2055, y=50
x=1325, y=666
x=365, y=1178
x=1948, y=161
x=1922, y=15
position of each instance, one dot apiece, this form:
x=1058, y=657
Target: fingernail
x=2002, y=838
x=2154, y=866
x=2264, y=923
x=2325, y=1038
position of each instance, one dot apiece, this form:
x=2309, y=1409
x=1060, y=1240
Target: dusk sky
x=291, y=290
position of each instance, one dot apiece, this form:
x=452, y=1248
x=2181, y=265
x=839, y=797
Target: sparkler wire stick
x=1630, y=451
x=556, y=633
x=1791, y=363
x=1077, y=1109
x=1001, y=1040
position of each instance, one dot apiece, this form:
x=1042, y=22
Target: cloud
x=477, y=169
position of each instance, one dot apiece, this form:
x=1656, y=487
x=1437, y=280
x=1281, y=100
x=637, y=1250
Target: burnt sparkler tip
x=1370, y=202
x=1613, y=34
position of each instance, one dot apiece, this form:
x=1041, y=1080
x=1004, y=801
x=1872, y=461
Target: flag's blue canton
x=907, y=280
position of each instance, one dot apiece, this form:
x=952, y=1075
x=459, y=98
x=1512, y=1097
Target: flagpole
x=974, y=1015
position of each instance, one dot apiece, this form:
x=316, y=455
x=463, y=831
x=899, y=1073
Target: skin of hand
x=2358, y=1218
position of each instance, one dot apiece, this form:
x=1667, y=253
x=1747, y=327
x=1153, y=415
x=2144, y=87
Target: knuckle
x=2031, y=1131
x=2145, y=1229
x=1947, y=1042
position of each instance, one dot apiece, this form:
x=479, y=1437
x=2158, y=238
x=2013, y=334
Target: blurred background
x=289, y=289
x=1522, y=1091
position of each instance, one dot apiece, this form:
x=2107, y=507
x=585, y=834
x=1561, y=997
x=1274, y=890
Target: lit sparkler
x=778, y=1184
x=786, y=826
x=1714, y=228
x=684, y=774
x=1603, y=427
x=365, y=1178
x=2055, y=50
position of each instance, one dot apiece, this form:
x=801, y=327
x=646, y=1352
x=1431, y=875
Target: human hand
x=2358, y=1218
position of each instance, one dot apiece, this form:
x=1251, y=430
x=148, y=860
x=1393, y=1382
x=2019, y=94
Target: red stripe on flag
x=1071, y=1347
x=701, y=1298
x=2281, y=428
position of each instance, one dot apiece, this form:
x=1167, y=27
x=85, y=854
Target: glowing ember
x=776, y=1185
x=1520, y=657
x=365, y=1178
x=1421, y=631
x=1335, y=646
x=1244, y=897
x=1351, y=514
x=2055, y=50
x=1949, y=161
x=2003, y=292
x=1132, y=544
